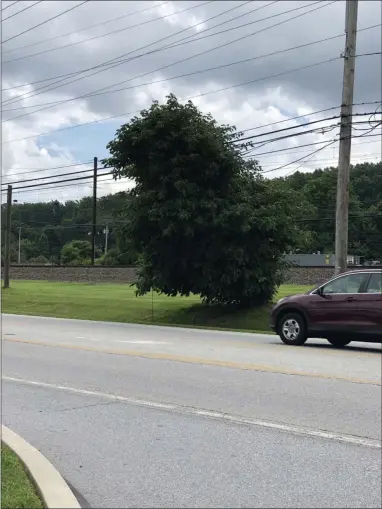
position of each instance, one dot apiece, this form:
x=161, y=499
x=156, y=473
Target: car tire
x=339, y=342
x=291, y=329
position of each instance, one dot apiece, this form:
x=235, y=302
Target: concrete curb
x=53, y=489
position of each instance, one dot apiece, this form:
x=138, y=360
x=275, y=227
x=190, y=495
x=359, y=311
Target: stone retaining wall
x=100, y=274
x=311, y=276
x=75, y=274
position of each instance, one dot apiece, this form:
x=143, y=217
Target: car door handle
x=349, y=299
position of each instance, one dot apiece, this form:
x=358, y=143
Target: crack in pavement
x=80, y=407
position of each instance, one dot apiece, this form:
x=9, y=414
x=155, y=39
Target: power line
x=47, y=177
x=91, y=68
x=364, y=156
x=187, y=98
x=273, y=132
x=322, y=130
x=22, y=10
x=237, y=62
x=291, y=127
x=60, y=181
x=90, y=169
x=113, y=32
x=10, y=5
x=109, y=64
x=303, y=125
x=65, y=101
x=44, y=189
x=117, y=63
x=307, y=145
x=43, y=22
x=304, y=157
x=36, y=170
x=88, y=28
x=369, y=54
x=300, y=151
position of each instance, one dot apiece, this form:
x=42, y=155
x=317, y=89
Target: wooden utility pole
x=7, y=251
x=342, y=209
x=106, y=231
x=19, y=253
x=94, y=209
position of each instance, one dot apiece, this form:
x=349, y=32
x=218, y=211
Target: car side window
x=375, y=284
x=351, y=283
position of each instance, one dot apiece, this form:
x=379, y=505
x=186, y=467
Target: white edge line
x=289, y=428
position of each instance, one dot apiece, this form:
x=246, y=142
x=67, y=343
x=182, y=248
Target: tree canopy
x=199, y=214
x=201, y=218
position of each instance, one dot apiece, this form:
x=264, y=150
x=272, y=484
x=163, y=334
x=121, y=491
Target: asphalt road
x=137, y=416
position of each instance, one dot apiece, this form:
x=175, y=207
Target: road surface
x=142, y=416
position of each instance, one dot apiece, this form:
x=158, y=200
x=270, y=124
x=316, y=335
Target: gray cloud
x=319, y=86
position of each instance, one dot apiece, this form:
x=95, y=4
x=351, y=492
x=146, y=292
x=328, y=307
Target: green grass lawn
x=118, y=303
x=17, y=490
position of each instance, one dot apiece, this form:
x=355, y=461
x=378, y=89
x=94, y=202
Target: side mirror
x=320, y=291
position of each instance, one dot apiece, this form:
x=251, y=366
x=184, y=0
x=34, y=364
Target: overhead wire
x=309, y=155
x=306, y=145
x=200, y=95
x=118, y=18
x=114, y=32
x=304, y=157
x=115, y=62
x=83, y=70
x=364, y=156
x=8, y=6
x=237, y=62
x=39, y=170
x=269, y=154
x=44, y=189
x=120, y=115
x=22, y=10
x=73, y=179
x=242, y=139
x=298, y=117
x=320, y=130
x=49, y=177
x=90, y=169
x=44, y=22
x=186, y=98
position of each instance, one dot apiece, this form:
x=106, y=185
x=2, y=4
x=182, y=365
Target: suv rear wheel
x=291, y=329
x=338, y=342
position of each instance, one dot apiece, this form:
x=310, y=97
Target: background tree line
x=46, y=228
x=60, y=233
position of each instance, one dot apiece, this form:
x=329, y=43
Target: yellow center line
x=196, y=360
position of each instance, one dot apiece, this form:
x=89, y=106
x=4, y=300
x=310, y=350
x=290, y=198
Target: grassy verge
x=17, y=490
x=118, y=303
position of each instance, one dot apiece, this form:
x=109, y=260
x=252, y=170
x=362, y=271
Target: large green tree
x=200, y=217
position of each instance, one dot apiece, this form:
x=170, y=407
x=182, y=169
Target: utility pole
x=7, y=252
x=342, y=208
x=19, y=253
x=94, y=209
x=106, y=232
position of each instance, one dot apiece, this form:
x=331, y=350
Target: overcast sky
x=256, y=92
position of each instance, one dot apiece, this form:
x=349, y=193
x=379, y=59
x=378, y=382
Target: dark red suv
x=346, y=308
